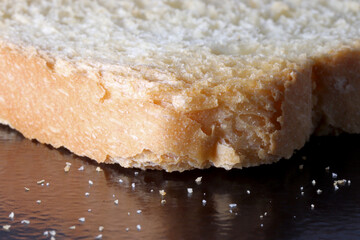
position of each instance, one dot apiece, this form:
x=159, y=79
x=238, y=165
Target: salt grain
x=81, y=168
x=319, y=191
x=38, y=201
x=101, y=228
x=302, y=193
x=348, y=182
x=87, y=194
x=334, y=175
x=82, y=219
x=162, y=192
x=89, y=210
x=121, y=181
x=265, y=214
x=190, y=191
x=52, y=233
x=98, y=169
x=116, y=201
x=136, y=173
x=138, y=227
x=203, y=202
x=138, y=211
x=248, y=191
x=127, y=229
x=312, y=206
x=91, y=182
x=46, y=233
x=72, y=227
x=327, y=169
x=27, y=189
x=163, y=201
x=133, y=185
x=98, y=236
x=301, y=167
x=12, y=215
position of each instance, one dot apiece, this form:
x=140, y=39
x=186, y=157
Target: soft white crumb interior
x=160, y=32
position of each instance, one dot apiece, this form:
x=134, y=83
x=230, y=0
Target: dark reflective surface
x=274, y=209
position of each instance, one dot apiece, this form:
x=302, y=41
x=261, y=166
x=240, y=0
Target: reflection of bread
x=177, y=85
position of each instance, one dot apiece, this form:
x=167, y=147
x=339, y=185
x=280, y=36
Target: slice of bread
x=180, y=84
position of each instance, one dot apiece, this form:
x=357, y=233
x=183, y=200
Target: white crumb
x=138, y=227
x=12, y=215
x=82, y=219
x=232, y=205
x=7, y=227
x=25, y=221
x=40, y=182
x=91, y=182
x=98, y=169
x=67, y=168
x=101, y=228
x=81, y=168
x=116, y=201
x=198, y=180
x=313, y=182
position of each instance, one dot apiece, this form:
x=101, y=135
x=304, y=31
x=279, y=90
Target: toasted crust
x=86, y=114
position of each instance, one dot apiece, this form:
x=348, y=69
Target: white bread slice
x=177, y=85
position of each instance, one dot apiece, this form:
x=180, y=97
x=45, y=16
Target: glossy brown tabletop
x=127, y=202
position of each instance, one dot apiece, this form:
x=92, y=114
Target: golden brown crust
x=235, y=124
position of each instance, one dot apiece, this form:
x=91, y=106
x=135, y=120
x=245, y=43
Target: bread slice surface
x=177, y=85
